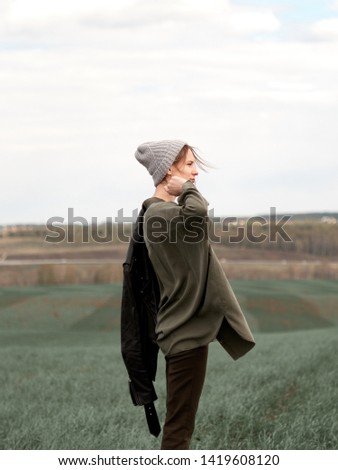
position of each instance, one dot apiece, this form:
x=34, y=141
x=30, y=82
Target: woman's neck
x=161, y=193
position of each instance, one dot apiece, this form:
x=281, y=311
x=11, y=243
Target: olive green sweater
x=197, y=303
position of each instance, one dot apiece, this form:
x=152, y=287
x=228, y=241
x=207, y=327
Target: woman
x=197, y=304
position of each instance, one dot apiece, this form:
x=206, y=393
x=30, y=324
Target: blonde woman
x=196, y=302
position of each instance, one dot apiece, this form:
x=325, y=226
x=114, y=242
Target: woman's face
x=186, y=168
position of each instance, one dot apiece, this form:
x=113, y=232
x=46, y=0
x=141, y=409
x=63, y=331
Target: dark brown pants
x=185, y=373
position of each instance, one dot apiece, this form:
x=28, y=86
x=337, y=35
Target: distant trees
x=311, y=237
x=308, y=237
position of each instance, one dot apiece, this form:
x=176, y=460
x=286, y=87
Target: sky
x=253, y=85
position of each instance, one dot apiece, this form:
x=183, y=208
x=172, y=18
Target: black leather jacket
x=140, y=297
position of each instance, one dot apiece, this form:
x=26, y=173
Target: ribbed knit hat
x=158, y=157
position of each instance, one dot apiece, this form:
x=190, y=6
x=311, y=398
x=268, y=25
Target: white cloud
x=231, y=20
x=247, y=20
x=39, y=17
x=83, y=83
x=21, y=10
x=326, y=29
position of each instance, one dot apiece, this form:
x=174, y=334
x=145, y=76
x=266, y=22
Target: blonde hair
x=201, y=163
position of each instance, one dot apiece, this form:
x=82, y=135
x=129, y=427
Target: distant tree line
x=312, y=237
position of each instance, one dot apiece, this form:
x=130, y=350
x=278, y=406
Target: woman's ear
x=169, y=172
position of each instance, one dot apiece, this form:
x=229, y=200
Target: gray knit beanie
x=158, y=157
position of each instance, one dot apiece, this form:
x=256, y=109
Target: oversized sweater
x=197, y=303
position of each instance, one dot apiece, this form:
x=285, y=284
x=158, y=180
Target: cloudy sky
x=252, y=84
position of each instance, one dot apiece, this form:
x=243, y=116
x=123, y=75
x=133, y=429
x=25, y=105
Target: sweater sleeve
x=192, y=201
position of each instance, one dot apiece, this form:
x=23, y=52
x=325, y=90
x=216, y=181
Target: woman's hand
x=174, y=185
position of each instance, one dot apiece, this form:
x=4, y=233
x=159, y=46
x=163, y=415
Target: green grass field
x=64, y=385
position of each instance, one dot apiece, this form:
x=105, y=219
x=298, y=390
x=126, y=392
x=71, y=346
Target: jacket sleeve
x=192, y=202
x=140, y=381
x=194, y=212
x=138, y=316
